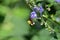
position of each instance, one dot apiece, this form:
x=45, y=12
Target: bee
x=30, y=22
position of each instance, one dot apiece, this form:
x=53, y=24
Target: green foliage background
x=15, y=23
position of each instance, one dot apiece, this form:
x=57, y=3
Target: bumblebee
x=31, y=22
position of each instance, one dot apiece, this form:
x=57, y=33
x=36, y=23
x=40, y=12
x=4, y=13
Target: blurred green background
x=15, y=23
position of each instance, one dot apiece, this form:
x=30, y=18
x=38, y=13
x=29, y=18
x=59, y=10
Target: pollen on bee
x=32, y=23
x=29, y=22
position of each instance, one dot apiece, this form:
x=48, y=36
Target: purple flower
x=33, y=14
x=41, y=9
x=35, y=8
x=58, y=1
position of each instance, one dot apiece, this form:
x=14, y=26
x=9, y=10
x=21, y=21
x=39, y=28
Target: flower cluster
x=33, y=14
x=43, y=15
x=35, y=9
x=58, y=1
